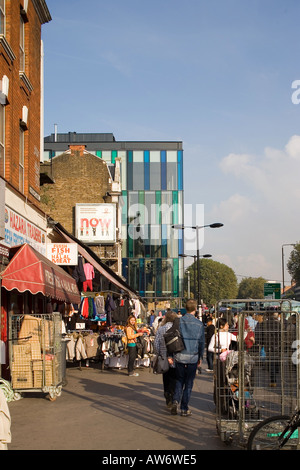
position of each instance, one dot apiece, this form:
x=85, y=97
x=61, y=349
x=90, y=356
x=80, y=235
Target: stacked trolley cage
x=35, y=353
x=258, y=376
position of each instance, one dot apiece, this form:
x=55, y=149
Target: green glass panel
x=175, y=207
x=175, y=277
x=158, y=204
x=114, y=154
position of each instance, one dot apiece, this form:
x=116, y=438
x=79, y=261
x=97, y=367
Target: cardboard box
x=22, y=377
x=22, y=353
x=31, y=326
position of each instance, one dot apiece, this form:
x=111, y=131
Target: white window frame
x=3, y=18
x=22, y=44
x=2, y=139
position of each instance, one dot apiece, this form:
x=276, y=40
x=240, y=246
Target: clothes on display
x=89, y=276
x=108, y=308
x=107, y=346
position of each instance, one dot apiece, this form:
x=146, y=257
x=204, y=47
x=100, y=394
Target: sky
x=223, y=77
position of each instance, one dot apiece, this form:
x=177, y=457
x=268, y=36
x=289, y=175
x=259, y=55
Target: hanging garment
x=110, y=306
x=90, y=342
x=100, y=304
x=80, y=349
x=89, y=271
x=78, y=272
x=122, y=311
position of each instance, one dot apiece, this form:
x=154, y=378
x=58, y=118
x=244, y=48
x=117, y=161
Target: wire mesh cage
x=256, y=365
x=35, y=350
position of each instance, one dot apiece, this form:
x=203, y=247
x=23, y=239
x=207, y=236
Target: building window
x=21, y=162
x=2, y=17
x=2, y=139
x=22, y=44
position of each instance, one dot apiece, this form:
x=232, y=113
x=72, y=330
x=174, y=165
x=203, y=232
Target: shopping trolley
x=266, y=375
x=35, y=353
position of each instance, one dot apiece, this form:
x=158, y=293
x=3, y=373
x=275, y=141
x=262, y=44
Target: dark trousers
x=210, y=359
x=132, y=353
x=185, y=375
x=169, y=382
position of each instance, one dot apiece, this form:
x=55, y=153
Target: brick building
x=21, y=218
x=78, y=180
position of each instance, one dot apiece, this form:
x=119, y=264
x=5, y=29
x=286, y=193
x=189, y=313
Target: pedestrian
x=210, y=331
x=220, y=344
x=151, y=318
x=169, y=377
x=156, y=321
x=186, y=361
x=132, y=334
x=272, y=344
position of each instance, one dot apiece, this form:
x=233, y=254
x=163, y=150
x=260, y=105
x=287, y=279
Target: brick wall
x=24, y=90
x=78, y=178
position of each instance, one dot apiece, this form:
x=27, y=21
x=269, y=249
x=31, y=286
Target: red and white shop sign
x=96, y=223
x=63, y=253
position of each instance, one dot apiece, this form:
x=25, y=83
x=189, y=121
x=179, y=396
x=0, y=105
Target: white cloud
x=263, y=214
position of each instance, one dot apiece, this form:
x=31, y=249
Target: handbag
x=161, y=365
x=173, y=339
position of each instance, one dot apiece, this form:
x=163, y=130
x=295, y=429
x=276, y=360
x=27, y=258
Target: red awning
x=30, y=271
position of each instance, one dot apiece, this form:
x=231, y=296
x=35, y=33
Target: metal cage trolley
x=256, y=371
x=35, y=351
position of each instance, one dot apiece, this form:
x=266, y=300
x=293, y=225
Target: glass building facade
x=152, y=201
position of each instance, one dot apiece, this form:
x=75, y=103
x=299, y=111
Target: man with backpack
x=186, y=361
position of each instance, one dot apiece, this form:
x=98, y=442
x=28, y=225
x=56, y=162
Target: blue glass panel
x=158, y=277
x=142, y=277
x=180, y=176
x=130, y=175
x=163, y=155
x=180, y=246
x=164, y=240
x=125, y=268
x=146, y=156
x=147, y=176
x=130, y=156
x=163, y=175
x=179, y=156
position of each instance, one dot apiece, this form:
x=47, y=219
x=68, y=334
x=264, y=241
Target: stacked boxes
x=32, y=365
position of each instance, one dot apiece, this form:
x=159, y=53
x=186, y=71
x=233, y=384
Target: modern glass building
x=152, y=200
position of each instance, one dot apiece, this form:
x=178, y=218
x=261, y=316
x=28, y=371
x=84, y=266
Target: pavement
x=108, y=410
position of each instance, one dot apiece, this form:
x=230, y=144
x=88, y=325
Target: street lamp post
x=198, y=271
x=197, y=228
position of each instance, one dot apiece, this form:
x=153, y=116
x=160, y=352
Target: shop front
x=32, y=290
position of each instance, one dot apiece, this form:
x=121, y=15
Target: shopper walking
x=210, y=331
x=132, y=334
x=169, y=377
x=186, y=361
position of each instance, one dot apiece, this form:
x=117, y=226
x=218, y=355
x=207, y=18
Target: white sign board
x=96, y=223
x=63, y=253
x=20, y=230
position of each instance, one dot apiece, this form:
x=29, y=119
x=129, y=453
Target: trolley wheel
x=18, y=396
x=54, y=393
x=264, y=435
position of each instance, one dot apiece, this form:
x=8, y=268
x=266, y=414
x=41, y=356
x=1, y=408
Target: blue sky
x=215, y=74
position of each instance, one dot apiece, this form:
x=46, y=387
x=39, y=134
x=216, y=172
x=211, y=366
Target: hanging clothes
x=89, y=275
x=100, y=304
x=122, y=311
x=110, y=307
x=78, y=272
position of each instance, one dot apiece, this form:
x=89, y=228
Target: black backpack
x=173, y=339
